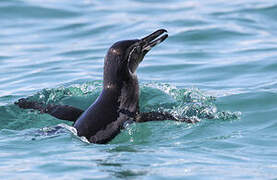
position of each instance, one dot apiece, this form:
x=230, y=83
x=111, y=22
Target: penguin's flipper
x=63, y=112
x=162, y=116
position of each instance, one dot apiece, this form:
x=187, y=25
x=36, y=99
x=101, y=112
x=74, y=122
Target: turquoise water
x=219, y=61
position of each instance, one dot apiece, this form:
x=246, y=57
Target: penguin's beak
x=152, y=40
x=143, y=46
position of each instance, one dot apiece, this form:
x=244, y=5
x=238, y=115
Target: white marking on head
x=147, y=48
x=129, y=57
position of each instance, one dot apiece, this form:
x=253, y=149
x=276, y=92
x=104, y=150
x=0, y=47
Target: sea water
x=219, y=66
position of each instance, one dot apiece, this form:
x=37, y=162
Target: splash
x=187, y=102
x=74, y=132
x=181, y=102
x=57, y=94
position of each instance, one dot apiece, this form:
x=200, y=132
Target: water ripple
x=53, y=51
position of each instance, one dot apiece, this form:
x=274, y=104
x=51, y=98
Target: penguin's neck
x=127, y=94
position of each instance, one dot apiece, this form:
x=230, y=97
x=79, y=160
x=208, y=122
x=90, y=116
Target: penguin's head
x=123, y=57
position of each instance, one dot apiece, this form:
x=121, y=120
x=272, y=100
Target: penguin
x=118, y=102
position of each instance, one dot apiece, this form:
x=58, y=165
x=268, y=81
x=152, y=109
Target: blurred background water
x=219, y=60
